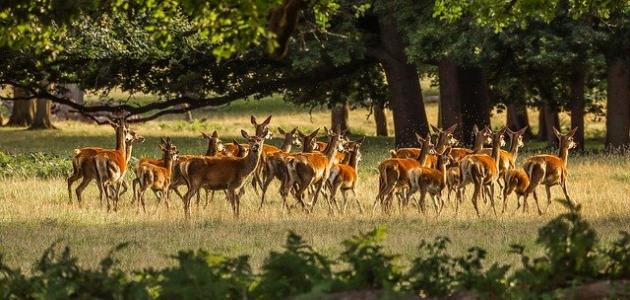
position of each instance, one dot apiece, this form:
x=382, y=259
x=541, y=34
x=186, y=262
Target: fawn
x=156, y=176
x=344, y=177
x=432, y=181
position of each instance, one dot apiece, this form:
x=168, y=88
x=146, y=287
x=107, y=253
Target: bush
x=36, y=164
x=573, y=256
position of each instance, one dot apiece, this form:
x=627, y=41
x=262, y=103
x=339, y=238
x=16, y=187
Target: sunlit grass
x=35, y=213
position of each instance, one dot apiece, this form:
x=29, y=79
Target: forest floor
x=34, y=212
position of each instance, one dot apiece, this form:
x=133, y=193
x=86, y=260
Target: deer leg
x=491, y=193
x=421, y=201
x=548, y=192
x=263, y=187
x=476, y=197
x=536, y=199
x=74, y=177
x=566, y=193
x=192, y=190
x=81, y=187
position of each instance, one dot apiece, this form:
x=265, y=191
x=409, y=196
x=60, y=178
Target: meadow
x=34, y=208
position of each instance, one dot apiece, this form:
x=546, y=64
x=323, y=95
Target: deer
x=344, y=177
x=445, y=139
x=481, y=137
x=550, y=170
x=274, y=166
x=111, y=167
x=156, y=176
x=507, y=159
x=215, y=147
x=432, y=181
x=259, y=128
x=516, y=180
x=313, y=170
x=394, y=173
x=223, y=173
x=83, y=159
x=483, y=171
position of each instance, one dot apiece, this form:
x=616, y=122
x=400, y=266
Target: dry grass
x=34, y=213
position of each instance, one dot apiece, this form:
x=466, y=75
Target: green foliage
x=572, y=256
x=36, y=164
x=297, y=270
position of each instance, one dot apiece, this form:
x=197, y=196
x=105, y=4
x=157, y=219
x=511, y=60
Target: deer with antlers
x=432, y=181
x=550, y=170
x=394, y=174
x=483, y=171
x=111, y=167
x=222, y=173
x=312, y=170
x=344, y=177
x=155, y=175
x=275, y=164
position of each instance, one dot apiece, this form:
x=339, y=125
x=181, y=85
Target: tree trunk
x=475, y=101
x=450, y=109
x=42, y=116
x=380, y=119
x=23, y=111
x=548, y=120
x=578, y=81
x=75, y=94
x=404, y=86
x=339, y=117
x=618, y=108
x=517, y=118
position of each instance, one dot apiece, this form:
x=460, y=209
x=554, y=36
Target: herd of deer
x=326, y=168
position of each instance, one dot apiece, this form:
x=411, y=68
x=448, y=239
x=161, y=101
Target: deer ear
x=215, y=134
x=522, y=130
x=314, y=133
x=294, y=130
x=420, y=138
x=447, y=151
x=435, y=129
x=244, y=134
x=301, y=134
x=360, y=141
x=452, y=128
x=267, y=120
x=557, y=132
x=572, y=132
x=235, y=142
x=502, y=131
x=205, y=136
x=281, y=130
x=253, y=120
x=475, y=129
x=162, y=141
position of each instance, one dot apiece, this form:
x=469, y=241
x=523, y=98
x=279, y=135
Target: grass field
x=34, y=212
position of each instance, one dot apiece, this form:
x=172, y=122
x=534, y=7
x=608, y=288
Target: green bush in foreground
x=36, y=164
x=573, y=256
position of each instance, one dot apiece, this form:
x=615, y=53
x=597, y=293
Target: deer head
x=566, y=140
x=445, y=137
x=309, y=142
x=255, y=141
x=516, y=137
x=262, y=128
x=213, y=141
x=291, y=137
x=168, y=148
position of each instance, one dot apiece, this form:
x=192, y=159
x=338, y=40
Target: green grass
x=34, y=212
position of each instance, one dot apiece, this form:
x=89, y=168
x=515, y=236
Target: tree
x=23, y=111
x=42, y=115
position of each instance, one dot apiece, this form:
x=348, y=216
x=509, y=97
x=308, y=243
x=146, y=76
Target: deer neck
x=514, y=148
x=353, y=161
x=286, y=145
x=564, y=154
x=478, y=144
x=120, y=138
x=441, y=144
x=331, y=150
x=168, y=163
x=422, y=156
x=443, y=170
x=127, y=152
x=252, y=159
x=496, y=149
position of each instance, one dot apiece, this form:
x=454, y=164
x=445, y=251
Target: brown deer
x=344, y=177
x=445, y=139
x=516, y=180
x=111, y=167
x=156, y=175
x=222, y=173
x=550, y=170
x=432, y=181
x=275, y=166
x=83, y=159
x=507, y=159
x=481, y=137
x=394, y=174
x=313, y=169
x=483, y=171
